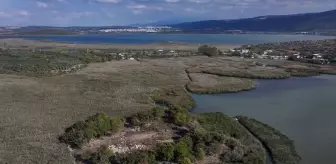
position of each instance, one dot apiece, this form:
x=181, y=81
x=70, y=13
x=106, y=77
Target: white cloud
x=108, y=1
x=23, y=13
x=199, y=1
x=137, y=7
x=172, y=1
x=4, y=15
x=42, y=4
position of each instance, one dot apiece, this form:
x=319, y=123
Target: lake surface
x=302, y=108
x=181, y=38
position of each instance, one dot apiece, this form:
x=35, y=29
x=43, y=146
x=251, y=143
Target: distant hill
x=323, y=21
x=165, y=22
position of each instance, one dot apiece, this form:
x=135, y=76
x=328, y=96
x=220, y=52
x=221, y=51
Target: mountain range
x=320, y=22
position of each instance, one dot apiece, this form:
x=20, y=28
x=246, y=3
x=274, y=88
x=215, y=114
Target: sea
x=230, y=39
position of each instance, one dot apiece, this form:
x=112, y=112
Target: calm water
x=302, y=108
x=183, y=38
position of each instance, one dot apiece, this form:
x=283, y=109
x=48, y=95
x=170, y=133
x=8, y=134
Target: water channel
x=302, y=108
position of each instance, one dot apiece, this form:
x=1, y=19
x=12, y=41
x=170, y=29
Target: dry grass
x=208, y=83
x=21, y=43
x=35, y=111
x=252, y=72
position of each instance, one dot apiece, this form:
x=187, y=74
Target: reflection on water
x=302, y=108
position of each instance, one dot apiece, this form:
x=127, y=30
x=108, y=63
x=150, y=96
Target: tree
x=208, y=50
x=116, y=123
x=199, y=154
x=184, y=160
x=182, y=150
x=101, y=157
x=165, y=152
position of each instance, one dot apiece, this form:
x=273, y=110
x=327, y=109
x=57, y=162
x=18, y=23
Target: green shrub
x=213, y=137
x=235, y=156
x=139, y=157
x=184, y=160
x=188, y=141
x=208, y=50
x=199, y=154
x=99, y=123
x=138, y=119
x=101, y=157
x=180, y=116
x=213, y=148
x=75, y=135
x=165, y=152
x=158, y=112
x=116, y=123
x=222, y=124
x=182, y=149
x=95, y=126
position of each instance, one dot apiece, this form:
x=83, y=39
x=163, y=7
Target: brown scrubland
x=36, y=110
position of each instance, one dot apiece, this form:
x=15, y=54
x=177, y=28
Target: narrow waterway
x=302, y=108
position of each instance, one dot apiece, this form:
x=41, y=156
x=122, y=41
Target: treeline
x=45, y=63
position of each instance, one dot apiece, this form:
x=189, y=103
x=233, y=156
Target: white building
x=317, y=56
x=245, y=51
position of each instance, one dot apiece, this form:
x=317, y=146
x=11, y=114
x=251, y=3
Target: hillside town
x=317, y=52
x=148, y=29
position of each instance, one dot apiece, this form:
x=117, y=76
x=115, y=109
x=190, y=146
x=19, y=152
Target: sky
x=125, y=12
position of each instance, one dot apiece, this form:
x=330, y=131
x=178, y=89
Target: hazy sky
x=122, y=12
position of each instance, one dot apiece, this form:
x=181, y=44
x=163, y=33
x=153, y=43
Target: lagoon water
x=230, y=39
x=302, y=108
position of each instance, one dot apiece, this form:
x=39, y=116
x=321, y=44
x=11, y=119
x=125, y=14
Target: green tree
x=182, y=150
x=184, y=160
x=199, y=154
x=165, y=152
x=101, y=157
x=116, y=123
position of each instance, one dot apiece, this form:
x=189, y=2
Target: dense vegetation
x=198, y=136
x=44, y=63
x=194, y=145
x=280, y=146
x=94, y=127
x=209, y=50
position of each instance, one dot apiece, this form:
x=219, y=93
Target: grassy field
x=207, y=83
x=282, y=149
x=20, y=43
